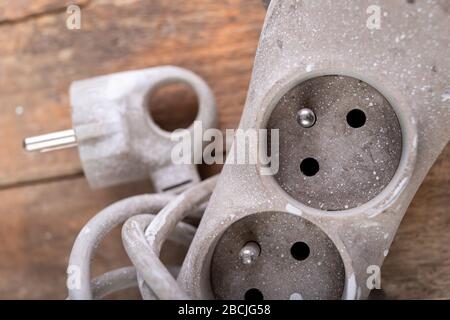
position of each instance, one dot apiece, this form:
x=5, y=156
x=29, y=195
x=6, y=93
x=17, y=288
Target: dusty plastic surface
x=408, y=62
x=119, y=142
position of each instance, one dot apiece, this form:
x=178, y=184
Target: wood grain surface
x=44, y=198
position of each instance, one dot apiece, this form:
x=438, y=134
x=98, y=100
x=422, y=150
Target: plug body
x=119, y=142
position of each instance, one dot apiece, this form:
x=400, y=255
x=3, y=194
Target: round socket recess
x=295, y=260
x=349, y=155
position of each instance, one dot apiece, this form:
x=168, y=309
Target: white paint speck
x=350, y=288
x=294, y=210
x=310, y=67
x=19, y=110
x=296, y=296
x=446, y=95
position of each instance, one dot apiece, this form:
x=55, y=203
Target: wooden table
x=44, y=198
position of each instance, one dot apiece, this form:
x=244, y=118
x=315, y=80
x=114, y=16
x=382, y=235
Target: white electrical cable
x=79, y=273
x=143, y=238
x=143, y=244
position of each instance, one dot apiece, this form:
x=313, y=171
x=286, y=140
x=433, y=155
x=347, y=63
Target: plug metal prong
x=249, y=253
x=306, y=118
x=51, y=141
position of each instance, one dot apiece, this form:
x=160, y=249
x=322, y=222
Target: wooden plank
x=38, y=225
x=418, y=265
x=40, y=58
x=14, y=11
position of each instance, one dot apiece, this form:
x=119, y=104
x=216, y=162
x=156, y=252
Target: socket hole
x=254, y=295
x=356, y=118
x=309, y=167
x=173, y=105
x=300, y=251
